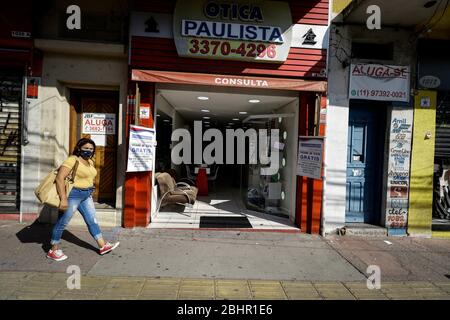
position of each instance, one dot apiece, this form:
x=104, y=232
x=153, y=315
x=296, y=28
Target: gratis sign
x=379, y=82
x=141, y=149
x=309, y=159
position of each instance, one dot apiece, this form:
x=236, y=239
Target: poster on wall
x=141, y=149
x=309, y=160
x=99, y=123
x=399, y=167
x=379, y=82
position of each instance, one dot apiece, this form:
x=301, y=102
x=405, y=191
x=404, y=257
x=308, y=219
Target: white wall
x=31, y=155
x=288, y=174
x=61, y=72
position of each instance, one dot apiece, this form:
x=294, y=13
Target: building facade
x=137, y=63
x=384, y=88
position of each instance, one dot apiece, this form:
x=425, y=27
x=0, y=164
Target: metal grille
x=10, y=106
x=443, y=126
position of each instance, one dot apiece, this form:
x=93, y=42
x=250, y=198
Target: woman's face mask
x=87, y=151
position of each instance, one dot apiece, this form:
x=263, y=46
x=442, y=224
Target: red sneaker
x=56, y=255
x=108, y=247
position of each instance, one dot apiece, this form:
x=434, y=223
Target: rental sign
x=237, y=30
x=379, y=82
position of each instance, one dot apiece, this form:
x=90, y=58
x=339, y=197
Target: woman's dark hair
x=80, y=143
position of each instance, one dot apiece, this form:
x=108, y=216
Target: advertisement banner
x=309, y=160
x=399, y=168
x=379, y=82
x=99, y=123
x=237, y=30
x=141, y=149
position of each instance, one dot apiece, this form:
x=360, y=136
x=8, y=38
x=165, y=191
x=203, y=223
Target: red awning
x=228, y=80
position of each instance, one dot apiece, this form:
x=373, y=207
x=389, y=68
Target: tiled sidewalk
x=45, y=286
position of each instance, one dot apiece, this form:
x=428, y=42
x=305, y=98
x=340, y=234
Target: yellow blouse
x=85, y=174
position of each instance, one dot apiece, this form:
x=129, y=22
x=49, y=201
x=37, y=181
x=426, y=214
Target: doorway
x=366, y=140
x=94, y=115
x=228, y=189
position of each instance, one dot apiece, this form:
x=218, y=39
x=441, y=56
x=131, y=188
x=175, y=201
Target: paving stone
x=115, y=297
x=428, y=290
x=389, y=285
x=442, y=283
x=443, y=297
x=162, y=282
x=68, y=296
x=340, y=298
x=195, y=282
x=44, y=284
x=94, y=282
x=83, y=290
x=5, y=293
x=420, y=284
x=17, y=275
x=121, y=291
x=371, y=297
x=156, y=297
x=260, y=283
x=355, y=285
x=22, y=295
x=231, y=282
x=232, y=290
x=195, y=296
x=303, y=296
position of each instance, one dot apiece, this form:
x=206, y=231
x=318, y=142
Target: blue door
x=363, y=166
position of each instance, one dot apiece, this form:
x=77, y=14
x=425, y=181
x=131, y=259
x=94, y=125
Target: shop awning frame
x=228, y=80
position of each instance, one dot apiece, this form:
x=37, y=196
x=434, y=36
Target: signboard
x=144, y=112
x=398, y=168
x=227, y=81
x=33, y=84
x=237, y=30
x=99, y=123
x=379, y=82
x=141, y=149
x=309, y=36
x=149, y=24
x=309, y=160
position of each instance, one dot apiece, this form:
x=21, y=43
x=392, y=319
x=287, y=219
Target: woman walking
x=80, y=198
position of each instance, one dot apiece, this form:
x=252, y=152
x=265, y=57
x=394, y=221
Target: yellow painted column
x=422, y=164
x=339, y=5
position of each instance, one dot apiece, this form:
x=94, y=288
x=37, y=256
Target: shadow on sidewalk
x=41, y=233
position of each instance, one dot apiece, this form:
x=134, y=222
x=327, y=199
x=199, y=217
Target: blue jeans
x=80, y=199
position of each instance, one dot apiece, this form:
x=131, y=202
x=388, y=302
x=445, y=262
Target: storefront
x=379, y=147
x=433, y=77
x=20, y=69
x=206, y=68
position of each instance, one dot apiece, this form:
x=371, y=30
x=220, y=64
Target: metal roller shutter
x=10, y=106
x=443, y=126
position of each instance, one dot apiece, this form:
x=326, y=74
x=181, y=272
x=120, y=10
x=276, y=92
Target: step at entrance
x=365, y=230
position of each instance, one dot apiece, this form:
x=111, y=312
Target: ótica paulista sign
x=258, y=31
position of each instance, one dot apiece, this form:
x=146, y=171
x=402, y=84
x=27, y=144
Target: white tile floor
x=225, y=203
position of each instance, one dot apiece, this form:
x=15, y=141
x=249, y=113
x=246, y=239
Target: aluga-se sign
x=236, y=30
